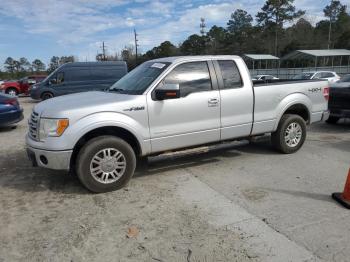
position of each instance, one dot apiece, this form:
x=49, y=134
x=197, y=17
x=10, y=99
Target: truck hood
x=79, y=105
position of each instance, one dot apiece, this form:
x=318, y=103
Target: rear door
x=236, y=100
x=192, y=119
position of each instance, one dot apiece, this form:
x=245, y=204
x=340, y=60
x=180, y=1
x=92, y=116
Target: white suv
x=332, y=77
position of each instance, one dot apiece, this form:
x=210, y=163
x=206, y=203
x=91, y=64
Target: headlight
x=52, y=127
x=33, y=87
x=2, y=86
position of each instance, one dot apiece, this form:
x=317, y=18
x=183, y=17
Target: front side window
x=230, y=74
x=191, y=77
x=60, y=78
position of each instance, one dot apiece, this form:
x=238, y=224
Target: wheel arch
x=297, y=104
x=117, y=131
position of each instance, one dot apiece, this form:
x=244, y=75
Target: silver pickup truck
x=168, y=104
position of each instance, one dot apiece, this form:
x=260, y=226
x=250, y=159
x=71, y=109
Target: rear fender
x=291, y=100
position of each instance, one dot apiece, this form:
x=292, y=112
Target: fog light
x=43, y=160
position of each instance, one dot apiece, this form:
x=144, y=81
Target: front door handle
x=213, y=102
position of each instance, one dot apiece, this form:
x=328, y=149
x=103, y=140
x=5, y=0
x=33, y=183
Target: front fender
x=91, y=122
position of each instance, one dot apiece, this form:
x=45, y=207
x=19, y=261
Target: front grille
x=34, y=126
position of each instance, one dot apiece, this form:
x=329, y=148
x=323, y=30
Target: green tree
x=332, y=11
x=218, y=40
x=275, y=13
x=194, y=45
x=10, y=65
x=38, y=65
x=54, y=64
x=67, y=59
x=24, y=64
x=240, y=22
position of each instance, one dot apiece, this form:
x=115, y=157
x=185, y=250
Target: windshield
x=345, y=79
x=139, y=79
x=304, y=76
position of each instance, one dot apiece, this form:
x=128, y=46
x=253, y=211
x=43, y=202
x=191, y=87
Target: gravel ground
x=47, y=215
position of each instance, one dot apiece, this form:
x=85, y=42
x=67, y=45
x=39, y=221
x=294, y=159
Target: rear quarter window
x=230, y=74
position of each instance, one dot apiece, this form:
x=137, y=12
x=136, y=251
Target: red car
x=21, y=86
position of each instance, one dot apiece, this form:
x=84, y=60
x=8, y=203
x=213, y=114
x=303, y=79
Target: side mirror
x=168, y=91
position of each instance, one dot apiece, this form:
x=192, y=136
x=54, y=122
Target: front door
x=192, y=119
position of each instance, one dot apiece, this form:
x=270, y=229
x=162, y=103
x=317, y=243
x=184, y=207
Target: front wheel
x=290, y=134
x=105, y=163
x=46, y=96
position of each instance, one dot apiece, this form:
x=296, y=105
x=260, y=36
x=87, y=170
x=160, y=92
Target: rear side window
x=72, y=75
x=230, y=74
x=106, y=73
x=192, y=77
x=327, y=74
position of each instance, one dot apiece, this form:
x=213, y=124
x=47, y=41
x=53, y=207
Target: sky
x=44, y=28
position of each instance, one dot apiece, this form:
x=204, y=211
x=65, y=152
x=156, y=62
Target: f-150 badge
x=135, y=108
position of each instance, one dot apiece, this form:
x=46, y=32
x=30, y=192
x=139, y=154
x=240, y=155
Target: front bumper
x=58, y=160
x=11, y=117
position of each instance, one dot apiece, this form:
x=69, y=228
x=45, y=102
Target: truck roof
x=88, y=64
x=173, y=59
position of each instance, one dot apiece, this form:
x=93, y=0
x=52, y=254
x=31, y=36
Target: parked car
x=10, y=110
x=328, y=75
x=21, y=86
x=264, y=77
x=79, y=77
x=339, y=100
x=168, y=104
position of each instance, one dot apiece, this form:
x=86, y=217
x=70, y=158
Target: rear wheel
x=46, y=95
x=12, y=91
x=332, y=120
x=290, y=134
x=105, y=163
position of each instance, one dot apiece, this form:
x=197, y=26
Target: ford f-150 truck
x=168, y=104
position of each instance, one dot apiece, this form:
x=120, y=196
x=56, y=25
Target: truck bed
x=273, y=97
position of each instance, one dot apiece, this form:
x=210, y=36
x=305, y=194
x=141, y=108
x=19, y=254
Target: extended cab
x=168, y=104
x=21, y=86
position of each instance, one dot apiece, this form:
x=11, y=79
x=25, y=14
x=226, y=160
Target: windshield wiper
x=118, y=90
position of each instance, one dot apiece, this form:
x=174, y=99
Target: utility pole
x=103, y=51
x=329, y=32
x=136, y=44
x=202, y=26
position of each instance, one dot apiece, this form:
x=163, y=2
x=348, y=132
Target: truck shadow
x=17, y=173
x=342, y=127
x=210, y=155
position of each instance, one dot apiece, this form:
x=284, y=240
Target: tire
x=285, y=143
x=12, y=91
x=92, y=173
x=46, y=96
x=332, y=120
